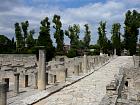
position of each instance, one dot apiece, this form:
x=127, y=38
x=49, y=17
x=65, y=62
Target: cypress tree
x=44, y=38
x=116, y=41
x=58, y=34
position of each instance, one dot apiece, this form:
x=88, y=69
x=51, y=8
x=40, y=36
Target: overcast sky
x=71, y=11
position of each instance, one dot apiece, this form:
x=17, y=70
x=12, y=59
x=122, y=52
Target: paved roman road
x=90, y=90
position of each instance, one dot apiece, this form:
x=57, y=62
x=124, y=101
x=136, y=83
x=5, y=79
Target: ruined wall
x=25, y=64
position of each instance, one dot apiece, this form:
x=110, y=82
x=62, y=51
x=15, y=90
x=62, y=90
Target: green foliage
x=25, y=26
x=96, y=49
x=116, y=41
x=73, y=34
x=44, y=38
x=58, y=34
x=110, y=48
x=30, y=40
x=87, y=36
x=132, y=23
x=76, y=45
x=6, y=45
x=25, y=41
x=102, y=41
x=71, y=53
x=19, y=38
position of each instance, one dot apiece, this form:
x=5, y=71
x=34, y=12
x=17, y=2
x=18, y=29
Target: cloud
x=6, y=5
x=92, y=13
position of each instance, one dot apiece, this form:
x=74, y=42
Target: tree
x=44, y=38
x=132, y=23
x=58, y=34
x=102, y=41
x=87, y=36
x=19, y=38
x=109, y=48
x=73, y=34
x=116, y=41
x=30, y=40
x=6, y=45
x=25, y=26
x=13, y=45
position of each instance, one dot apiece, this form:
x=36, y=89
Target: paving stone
x=90, y=90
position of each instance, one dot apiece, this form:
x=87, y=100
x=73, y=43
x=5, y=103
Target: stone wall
x=25, y=64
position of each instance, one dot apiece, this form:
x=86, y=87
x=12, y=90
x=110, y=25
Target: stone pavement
x=28, y=95
x=90, y=90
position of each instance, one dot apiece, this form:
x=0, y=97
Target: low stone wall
x=26, y=59
x=113, y=90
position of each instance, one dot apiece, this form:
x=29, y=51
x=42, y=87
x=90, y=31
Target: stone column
x=91, y=65
x=80, y=67
x=76, y=70
x=96, y=60
x=99, y=60
x=115, y=52
x=66, y=73
x=3, y=95
x=36, y=78
x=42, y=70
x=16, y=90
x=85, y=64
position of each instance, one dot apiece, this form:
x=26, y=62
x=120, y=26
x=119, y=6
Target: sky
x=71, y=11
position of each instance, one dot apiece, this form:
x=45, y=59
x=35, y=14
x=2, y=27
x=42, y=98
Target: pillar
x=114, y=51
x=76, y=70
x=3, y=95
x=16, y=90
x=80, y=67
x=42, y=70
x=85, y=64
x=66, y=72
x=99, y=60
x=91, y=65
x=35, y=78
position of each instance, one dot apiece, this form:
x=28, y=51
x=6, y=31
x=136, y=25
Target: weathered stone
x=6, y=80
x=85, y=64
x=16, y=89
x=3, y=95
x=36, y=78
x=76, y=70
x=42, y=70
x=80, y=67
x=61, y=74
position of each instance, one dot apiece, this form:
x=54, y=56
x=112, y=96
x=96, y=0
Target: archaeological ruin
x=27, y=81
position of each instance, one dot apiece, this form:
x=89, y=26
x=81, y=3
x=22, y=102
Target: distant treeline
x=25, y=43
